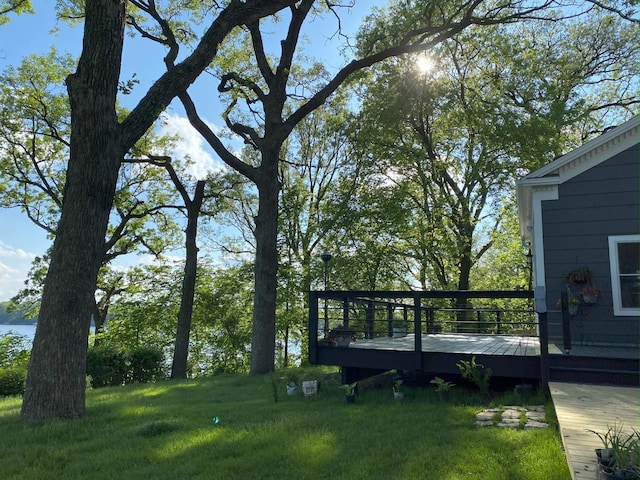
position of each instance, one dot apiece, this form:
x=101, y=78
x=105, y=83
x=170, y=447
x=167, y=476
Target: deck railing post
x=345, y=311
x=417, y=329
x=371, y=313
x=405, y=315
x=566, y=322
x=313, y=327
x=540, y=303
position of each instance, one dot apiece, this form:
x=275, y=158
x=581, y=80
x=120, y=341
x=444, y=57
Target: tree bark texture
x=266, y=267
x=183, y=330
x=56, y=378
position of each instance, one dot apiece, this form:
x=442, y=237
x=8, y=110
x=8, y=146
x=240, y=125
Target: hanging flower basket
x=590, y=295
x=581, y=276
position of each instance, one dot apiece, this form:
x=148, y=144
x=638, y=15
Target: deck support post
x=540, y=303
x=544, y=350
x=345, y=311
x=313, y=327
x=566, y=322
x=417, y=329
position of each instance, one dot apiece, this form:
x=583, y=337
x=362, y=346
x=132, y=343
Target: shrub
x=14, y=351
x=477, y=374
x=109, y=366
x=145, y=364
x=106, y=366
x=12, y=381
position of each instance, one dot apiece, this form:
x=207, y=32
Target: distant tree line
x=8, y=316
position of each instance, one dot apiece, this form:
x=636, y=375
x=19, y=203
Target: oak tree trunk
x=183, y=331
x=56, y=378
x=263, y=337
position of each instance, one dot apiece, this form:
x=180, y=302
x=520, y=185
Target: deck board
x=580, y=408
x=470, y=344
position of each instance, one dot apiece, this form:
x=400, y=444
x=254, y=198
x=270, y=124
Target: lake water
x=28, y=331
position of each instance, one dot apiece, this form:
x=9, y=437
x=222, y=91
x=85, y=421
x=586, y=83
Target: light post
x=529, y=256
x=325, y=256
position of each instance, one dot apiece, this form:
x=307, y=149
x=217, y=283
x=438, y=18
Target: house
x=583, y=210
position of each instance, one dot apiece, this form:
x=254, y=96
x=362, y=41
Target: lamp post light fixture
x=529, y=256
x=325, y=256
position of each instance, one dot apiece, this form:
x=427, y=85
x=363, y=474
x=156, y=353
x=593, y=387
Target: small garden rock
x=511, y=417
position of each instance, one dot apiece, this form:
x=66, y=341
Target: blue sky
x=20, y=240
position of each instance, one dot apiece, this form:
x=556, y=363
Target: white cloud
x=190, y=144
x=14, y=267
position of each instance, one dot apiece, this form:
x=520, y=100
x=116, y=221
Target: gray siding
x=600, y=202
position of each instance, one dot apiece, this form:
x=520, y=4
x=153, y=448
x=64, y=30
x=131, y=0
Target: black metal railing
x=336, y=316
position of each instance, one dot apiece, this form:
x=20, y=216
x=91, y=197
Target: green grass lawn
x=168, y=431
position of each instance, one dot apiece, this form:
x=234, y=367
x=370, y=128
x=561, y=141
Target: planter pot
x=399, y=332
x=325, y=342
x=604, y=456
x=398, y=395
x=292, y=388
x=523, y=389
x=444, y=395
x=608, y=473
x=310, y=388
x=350, y=398
x=589, y=299
x=572, y=309
x=342, y=341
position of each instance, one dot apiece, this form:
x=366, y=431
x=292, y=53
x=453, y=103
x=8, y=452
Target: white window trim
x=615, y=275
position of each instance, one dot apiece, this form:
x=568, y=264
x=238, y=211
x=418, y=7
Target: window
x=624, y=257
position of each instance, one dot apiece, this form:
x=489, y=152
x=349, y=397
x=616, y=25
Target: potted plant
x=580, y=275
x=398, y=392
x=442, y=387
x=573, y=304
x=589, y=294
x=618, y=459
x=341, y=336
x=350, y=392
x=291, y=381
x=310, y=388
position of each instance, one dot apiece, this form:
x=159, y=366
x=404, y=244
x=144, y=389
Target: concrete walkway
x=580, y=408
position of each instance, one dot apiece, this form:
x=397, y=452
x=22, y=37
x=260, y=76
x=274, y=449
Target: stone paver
x=511, y=417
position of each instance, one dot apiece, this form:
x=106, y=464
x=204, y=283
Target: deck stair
x=576, y=367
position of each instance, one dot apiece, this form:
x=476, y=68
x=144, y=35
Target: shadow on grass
x=230, y=427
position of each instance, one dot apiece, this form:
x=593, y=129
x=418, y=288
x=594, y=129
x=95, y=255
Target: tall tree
x=316, y=158
x=99, y=142
x=498, y=100
x=203, y=190
x=271, y=99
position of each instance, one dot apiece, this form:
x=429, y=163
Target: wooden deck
x=467, y=344
x=580, y=408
